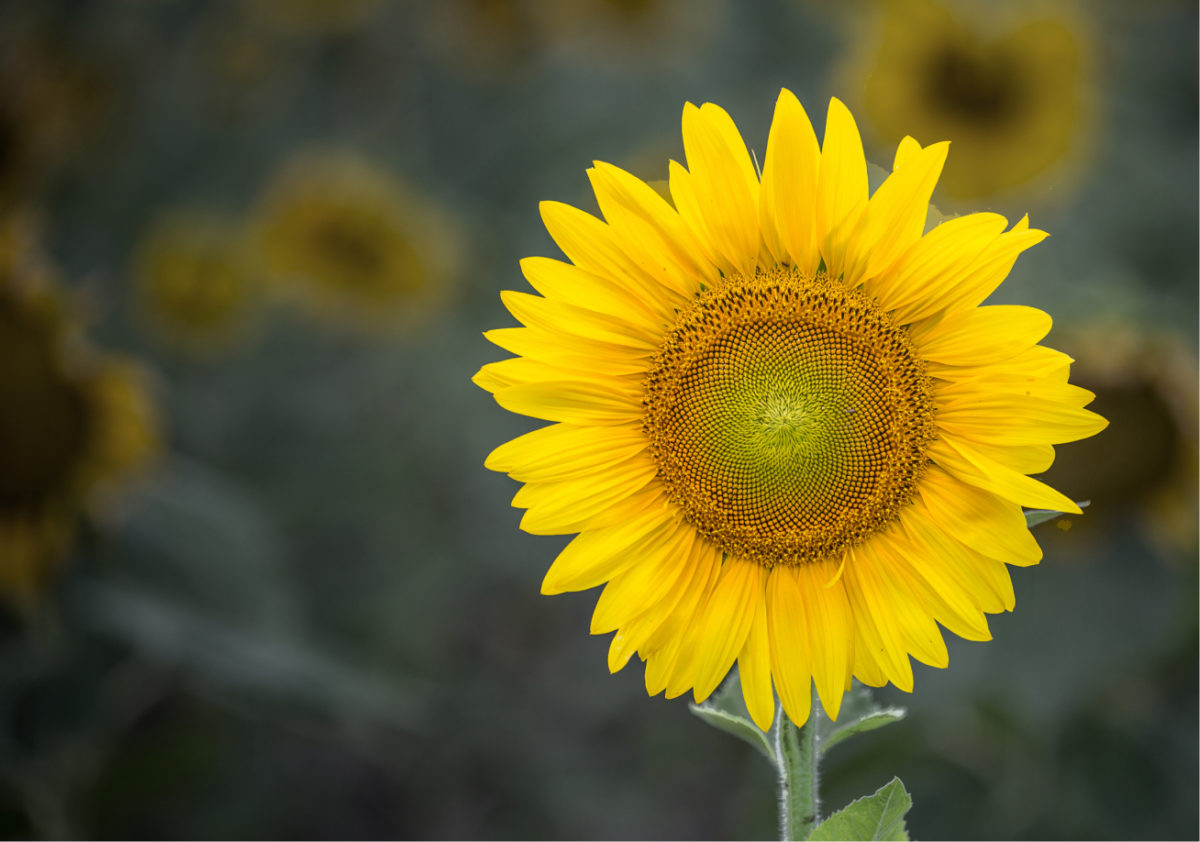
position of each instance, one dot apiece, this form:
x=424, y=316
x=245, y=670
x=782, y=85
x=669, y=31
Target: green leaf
x=858, y=715
x=726, y=710
x=879, y=816
x=1035, y=516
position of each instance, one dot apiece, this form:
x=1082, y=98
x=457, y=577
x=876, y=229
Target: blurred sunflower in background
x=194, y=287
x=487, y=40
x=50, y=98
x=76, y=421
x=1009, y=83
x=1145, y=381
x=786, y=431
x=344, y=238
x=314, y=17
x=482, y=37
x=621, y=31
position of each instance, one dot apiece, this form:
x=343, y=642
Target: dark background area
x=313, y=615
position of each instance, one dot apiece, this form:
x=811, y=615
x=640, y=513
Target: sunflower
x=627, y=32
x=51, y=96
x=345, y=238
x=195, y=289
x=785, y=431
x=1011, y=92
x=485, y=40
x=75, y=423
x=1145, y=380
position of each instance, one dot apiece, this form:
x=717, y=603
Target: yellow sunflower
x=348, y=240
x=786, y=431
x=1008, y=87
x=1145, y=379
x=74, y=423
x=195, y=289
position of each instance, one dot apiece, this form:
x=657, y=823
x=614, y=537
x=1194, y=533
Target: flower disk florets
x=788, y=415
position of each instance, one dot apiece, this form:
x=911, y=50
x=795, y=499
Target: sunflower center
x=789, y=416
x=977, y=83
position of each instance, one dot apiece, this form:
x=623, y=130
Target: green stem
x=797, y=752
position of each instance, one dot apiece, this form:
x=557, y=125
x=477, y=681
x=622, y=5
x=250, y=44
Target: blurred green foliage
x=317, y=616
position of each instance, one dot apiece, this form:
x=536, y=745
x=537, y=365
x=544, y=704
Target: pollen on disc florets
x=789, y=416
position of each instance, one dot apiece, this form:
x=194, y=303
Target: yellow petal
x=725, y=184
x=829, y=631
x=983, y=335
x=994, y=267
x=573, y=401
x=841, y=185
x=590, y=244
x=669, y=651
x=554, y=316
x=895, y=216
x=969, y=465
x=563, y=451
x=986, y=579
x=557, y=508
x=728, y=616
x=907, y=150
x=577, y=287
x=637, y=633
x=683, y=194
x=650, y=230
x=871, y=600
x=918, y=282
x=981, y=520
x=595, y=556
x=1013, y=420
x=505, y=373
x=993, y=381
x=912, y=619
x=754, y=667
x=791, y=659
x=1022, y=458
x=949, y=595
x=789, y=183
x=571, y=351
x=659, y=567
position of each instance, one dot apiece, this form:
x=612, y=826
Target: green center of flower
x=789, y=416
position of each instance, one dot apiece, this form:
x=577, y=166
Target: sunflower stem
x=797, y=753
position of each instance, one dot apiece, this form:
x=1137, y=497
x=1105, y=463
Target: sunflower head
x=786, y=431
x=195, y=288
x=1145, y=379
x=76, y=422
x=1009, y=92
x=346, y=239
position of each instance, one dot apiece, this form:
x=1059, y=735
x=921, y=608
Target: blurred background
x=255, y=580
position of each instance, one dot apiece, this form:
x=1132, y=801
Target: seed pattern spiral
x=789, y=416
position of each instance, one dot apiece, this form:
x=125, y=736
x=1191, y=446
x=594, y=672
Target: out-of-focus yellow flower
x=50, y=100
x=1145, y=382
x=622, y=31
x=195, y=289
x=484, y=39
x=346, y=239
x=315, y=17
x=74, y=422
x=1007, y=83
x=487, y=37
